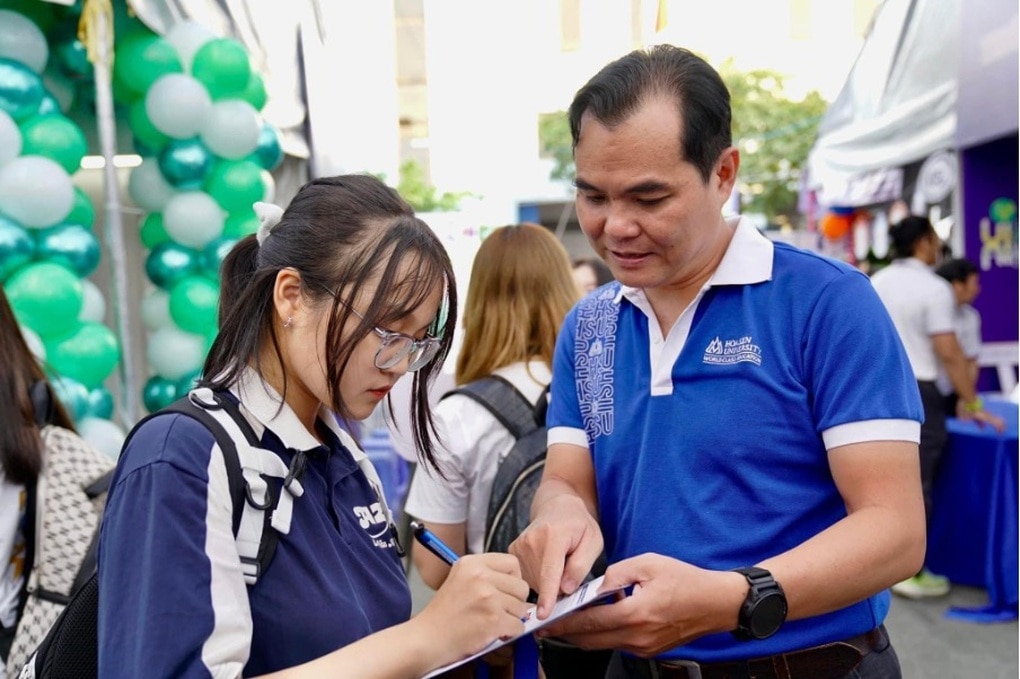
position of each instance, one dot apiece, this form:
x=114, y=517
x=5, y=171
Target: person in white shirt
x=922, y=307
x=962, y=274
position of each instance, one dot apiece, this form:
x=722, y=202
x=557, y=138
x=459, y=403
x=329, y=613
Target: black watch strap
x=764, y=609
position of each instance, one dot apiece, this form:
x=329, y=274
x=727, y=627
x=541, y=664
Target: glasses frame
x=426, y=348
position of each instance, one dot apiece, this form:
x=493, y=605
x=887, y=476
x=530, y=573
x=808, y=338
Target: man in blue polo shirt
x=735, y=421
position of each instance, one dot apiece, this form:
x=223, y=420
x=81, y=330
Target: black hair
x=602, y=273
x=957, y=270
x=340, y=233
x=21, y=447
x=907, y=233
x=703, y=102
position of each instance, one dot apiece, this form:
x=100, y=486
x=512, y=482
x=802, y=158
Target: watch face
x=768, y=615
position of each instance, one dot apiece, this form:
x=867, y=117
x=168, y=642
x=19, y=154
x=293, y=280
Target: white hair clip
x=269, y=215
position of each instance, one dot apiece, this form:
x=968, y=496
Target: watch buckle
x=693, y=668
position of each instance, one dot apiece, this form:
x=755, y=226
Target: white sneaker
x=922, y=586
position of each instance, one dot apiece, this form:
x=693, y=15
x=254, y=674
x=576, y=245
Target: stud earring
x=290, y=321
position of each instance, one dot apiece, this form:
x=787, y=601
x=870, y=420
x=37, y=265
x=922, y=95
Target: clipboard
x=586, y=595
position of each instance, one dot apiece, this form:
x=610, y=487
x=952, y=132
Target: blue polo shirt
x=709, y=443
x=173, y=602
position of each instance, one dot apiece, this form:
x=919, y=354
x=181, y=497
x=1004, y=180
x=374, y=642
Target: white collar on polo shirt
x=748, y=260
x=272, y=412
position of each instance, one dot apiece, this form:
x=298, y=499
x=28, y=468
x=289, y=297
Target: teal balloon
x=193, y=304
x=222, y=65
x=188, y=382
x=158, y=393
x=170, y=262
x=49, y=106
x=16, y=247
x=72, y=245
x=88, y=354
x=21, y=89
x=268, y=152
x=56, y=137
x=235, y=184
x=142, y=58
x=100, y=403
x=185, y=163
x=72, y=394
x=72, y=59
x=213, y=255
x=82, y=211
x=45, y=296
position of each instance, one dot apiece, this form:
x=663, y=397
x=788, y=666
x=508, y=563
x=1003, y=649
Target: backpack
x=520, y=471
x=262, y=511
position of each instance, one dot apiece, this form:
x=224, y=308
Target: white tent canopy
x=898, y=104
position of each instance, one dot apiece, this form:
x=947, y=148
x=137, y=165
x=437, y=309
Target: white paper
x=586, y=594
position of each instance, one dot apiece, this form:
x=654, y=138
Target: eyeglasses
x=397, y=346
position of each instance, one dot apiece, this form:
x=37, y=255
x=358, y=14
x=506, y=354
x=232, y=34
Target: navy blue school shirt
x=173, y=602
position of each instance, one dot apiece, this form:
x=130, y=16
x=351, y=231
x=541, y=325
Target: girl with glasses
x=321, y=313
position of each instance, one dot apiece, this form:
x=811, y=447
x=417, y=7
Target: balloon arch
x=192, y=103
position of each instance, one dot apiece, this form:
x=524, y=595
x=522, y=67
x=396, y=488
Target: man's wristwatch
x=764, y=610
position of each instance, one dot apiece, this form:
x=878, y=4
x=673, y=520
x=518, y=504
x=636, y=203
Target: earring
x=290, y=321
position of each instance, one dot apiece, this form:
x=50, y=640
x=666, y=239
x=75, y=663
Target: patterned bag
x=70, y=494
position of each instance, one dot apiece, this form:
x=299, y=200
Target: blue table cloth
x=972, y=536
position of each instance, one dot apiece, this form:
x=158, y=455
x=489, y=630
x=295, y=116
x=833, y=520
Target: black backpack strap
x=506, y=403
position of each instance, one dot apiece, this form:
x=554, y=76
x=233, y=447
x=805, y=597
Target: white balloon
x=21, y=40
x=268, y=181
x=232, y=129
x=34, y=342
x=177, y=105
x=173, y=353
x=156, y=310
x=10, y=139
x=93, y=305
x=36, y=191
x=148, y=188
x=187, y=37
x=101, y=434
x=193, y=218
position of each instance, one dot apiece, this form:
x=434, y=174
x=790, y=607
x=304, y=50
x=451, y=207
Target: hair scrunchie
x=269, y=216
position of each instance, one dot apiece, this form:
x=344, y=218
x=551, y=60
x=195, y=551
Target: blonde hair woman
x=521, y=287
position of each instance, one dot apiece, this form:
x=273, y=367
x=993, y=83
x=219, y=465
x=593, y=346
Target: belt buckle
x=693, y=669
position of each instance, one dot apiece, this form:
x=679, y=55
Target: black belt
x=828, y=661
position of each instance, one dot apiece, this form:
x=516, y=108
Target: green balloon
x=72, y=245
x=255, y=92
x=140, y=59
x=153, y=232
x=170, y=262
x=240, y=224
x=100, y=403
x=56, y=137
x=158, y=393
x=193, y=303
x=88, y=355
x=46, y=297
x=222, y=65
x=235, y=184
x=82, y=211
x=17, y=248
x=40, y=13
x=49, y=106
x=142, y=127
x=21, y=90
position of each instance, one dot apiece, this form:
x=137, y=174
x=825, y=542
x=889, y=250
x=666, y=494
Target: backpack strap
x=506, y=403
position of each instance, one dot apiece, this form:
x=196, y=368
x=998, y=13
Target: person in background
x=962, y=275
x=34, y=429
x=519, y=292
x=590, y=273
x=336, y=299
x=923, y=309
x=735, y=420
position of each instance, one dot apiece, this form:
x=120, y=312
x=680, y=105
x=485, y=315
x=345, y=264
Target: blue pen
x=433, y=543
